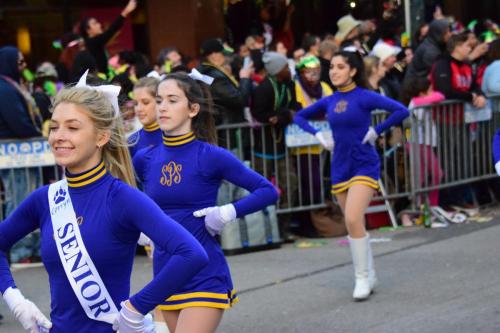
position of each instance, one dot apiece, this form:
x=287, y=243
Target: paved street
x=430, y=280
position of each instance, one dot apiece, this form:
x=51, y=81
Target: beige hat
x=384, y=51
x=345, y=25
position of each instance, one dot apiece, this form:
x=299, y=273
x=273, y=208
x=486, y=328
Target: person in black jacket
x=327, y=49
x=431, y=48
x=274, y=104
x=19, y=119
x=96, y=39
x=229, y=96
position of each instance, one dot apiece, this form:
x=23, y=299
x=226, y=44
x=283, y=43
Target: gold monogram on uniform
x=171, y=174
x=341, y=106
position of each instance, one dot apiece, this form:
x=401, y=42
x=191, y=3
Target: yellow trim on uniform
x=196, y=295
x=345, y=188
x=91, y=180
x=177, y=138
x=347, y=88
x=86, y=175
x=231, y=300
x=375, y=186
x=179, y=143
x=341, y=184
x=366, y=178
x=153, y=127
x=193, y=304
x=362, y=180
x=235, y=300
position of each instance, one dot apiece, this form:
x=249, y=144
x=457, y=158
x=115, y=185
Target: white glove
x=325, y=142
x=497, y=167
x=144, y=240
x=130, y=321
x=149, y=324
x=370, y=136
x=217, y=217
x=26, y=312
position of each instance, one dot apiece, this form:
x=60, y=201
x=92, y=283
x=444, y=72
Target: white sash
x=80, y=270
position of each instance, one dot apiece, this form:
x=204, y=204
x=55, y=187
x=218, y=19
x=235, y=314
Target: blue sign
x=25, y=154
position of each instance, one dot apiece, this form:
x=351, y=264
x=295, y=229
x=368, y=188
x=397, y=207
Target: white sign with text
x=297, y=137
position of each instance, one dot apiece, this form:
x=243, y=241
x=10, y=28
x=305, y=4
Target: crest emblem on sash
x=59, y=196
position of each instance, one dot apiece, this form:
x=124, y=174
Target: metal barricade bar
x=413, y=157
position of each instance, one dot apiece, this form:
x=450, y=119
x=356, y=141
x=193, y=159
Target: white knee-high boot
x=360, y=259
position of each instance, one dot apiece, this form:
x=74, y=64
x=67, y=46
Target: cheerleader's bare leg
x=354, y=203
x=193, y=320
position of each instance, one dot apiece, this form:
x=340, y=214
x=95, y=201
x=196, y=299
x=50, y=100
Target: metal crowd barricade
x=282, y=166
x=454, y=138
x=25, y=165
x=448, y=136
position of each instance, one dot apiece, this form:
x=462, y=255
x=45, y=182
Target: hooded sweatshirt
x=430, y=49
x=15, y=120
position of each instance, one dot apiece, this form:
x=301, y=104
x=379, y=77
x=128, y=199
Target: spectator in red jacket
x=452, y=75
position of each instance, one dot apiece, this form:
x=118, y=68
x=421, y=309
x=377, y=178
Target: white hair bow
x=110, y=91
x=155, y=74
x=350, y=48
x=195, y=75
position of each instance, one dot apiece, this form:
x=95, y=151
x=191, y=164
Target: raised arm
x=116, y=25
x=434, y=97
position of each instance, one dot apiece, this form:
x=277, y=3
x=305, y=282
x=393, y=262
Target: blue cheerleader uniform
x=348, y=112
x=145, y=137
x=111, y=216
x=182, y=176
x=496, y=146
